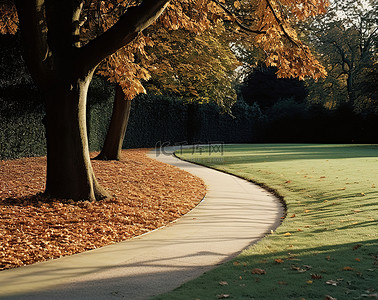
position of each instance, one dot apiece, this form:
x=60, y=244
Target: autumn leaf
x=223, y=283
x=332, y=282
x=316, y=276
x=258, y=271
x=237, y=4
x=223, y=296
x=287, y=234
x=309, y=281
x=279, y=261
x=357, y=246
x=348, y=269
x=327, y=297
x=292, y=216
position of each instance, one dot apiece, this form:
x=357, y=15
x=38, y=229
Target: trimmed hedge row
x=153, y=119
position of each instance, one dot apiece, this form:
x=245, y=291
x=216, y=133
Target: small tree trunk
x=69, y=170
x=117, y=128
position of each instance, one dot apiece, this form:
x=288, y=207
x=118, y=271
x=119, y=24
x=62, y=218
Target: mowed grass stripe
x=328, y=243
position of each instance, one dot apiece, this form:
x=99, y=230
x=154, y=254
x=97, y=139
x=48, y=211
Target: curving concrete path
x=233, y=215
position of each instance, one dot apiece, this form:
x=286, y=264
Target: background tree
x=346, y=39
x=262, y=86
x=63, y=50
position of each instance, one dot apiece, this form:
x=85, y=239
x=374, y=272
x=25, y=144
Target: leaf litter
x=147, y=194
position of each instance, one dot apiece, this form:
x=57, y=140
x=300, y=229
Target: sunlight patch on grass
x=328, y=243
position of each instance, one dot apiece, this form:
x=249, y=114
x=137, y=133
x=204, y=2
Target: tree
x=189, y=66
x=262, y=86
x=63, y=49
x=63, y=69
x=346, y=38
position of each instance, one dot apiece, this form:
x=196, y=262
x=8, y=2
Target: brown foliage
x=147, y=195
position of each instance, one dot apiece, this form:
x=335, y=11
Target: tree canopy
x=346, y=38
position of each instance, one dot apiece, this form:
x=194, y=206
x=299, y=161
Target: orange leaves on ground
x=147, y=195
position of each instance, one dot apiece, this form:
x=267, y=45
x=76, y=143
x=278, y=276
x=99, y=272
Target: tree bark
x=69, y=170
x=117, y=128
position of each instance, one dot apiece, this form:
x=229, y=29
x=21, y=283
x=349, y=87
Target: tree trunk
x=117, y=128
x=69, y=170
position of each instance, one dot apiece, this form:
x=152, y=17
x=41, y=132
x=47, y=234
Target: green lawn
x=328, y=243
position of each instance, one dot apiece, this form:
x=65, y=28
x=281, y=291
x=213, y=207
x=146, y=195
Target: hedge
x=153, y=119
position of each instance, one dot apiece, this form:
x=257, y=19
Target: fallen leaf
x=258, y=271
x=327, y=297
x=307, y=210
x=300, y=229
x=292, y=216
x=316, y=276
x=223, y=296
x=287, y=234
x=357, y=259
x=279, y=261
x=309, y=281
x=369, y=295
x=282, y=282
x=288, y=181
x=223, y=283
x=357, y=246
x=298, y=269
x=332, y=282
x=347, y=269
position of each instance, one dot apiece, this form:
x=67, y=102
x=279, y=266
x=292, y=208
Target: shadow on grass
x=345, y=271
x=286, y=152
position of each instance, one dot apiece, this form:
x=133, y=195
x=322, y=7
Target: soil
x=147, y=194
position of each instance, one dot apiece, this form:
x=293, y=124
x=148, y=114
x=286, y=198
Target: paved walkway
x=233, y=215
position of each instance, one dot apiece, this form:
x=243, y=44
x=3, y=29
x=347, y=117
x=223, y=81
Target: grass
x=328, y=243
